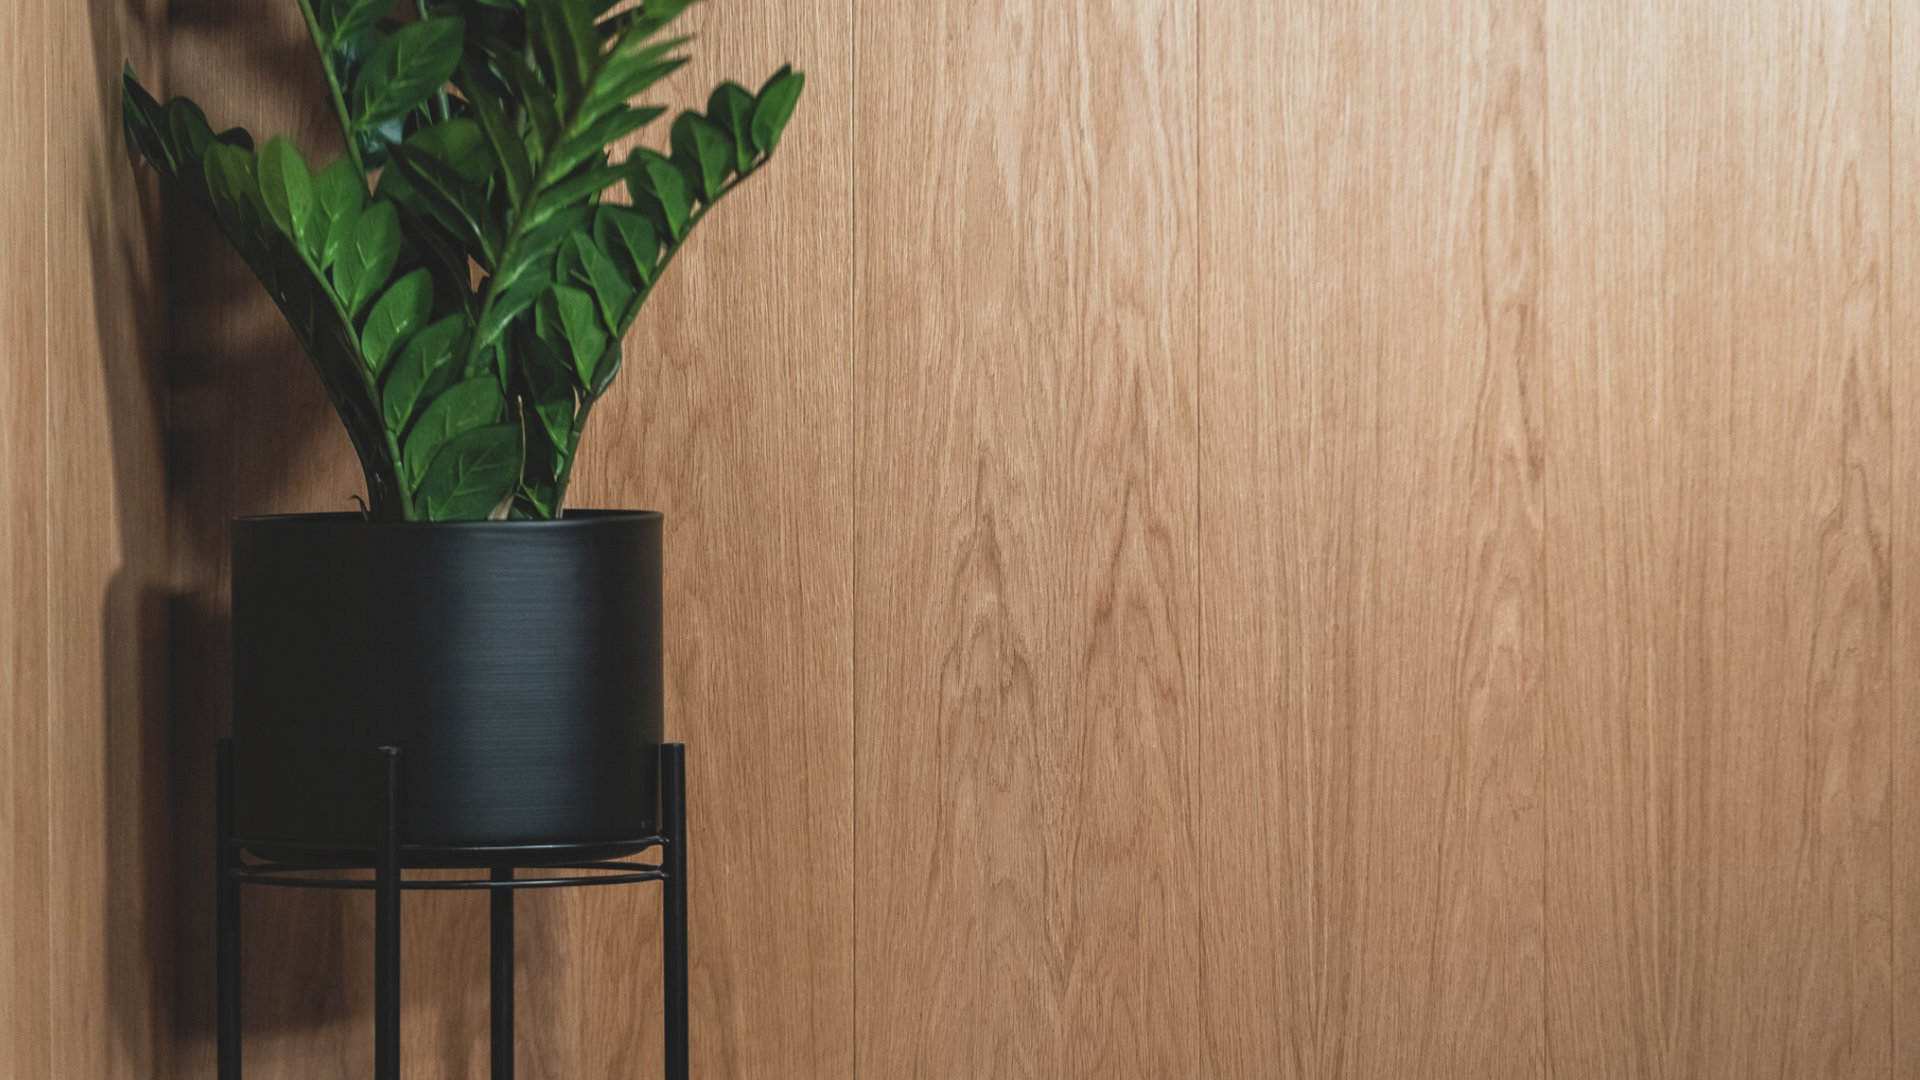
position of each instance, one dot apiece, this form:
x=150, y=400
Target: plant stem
x=333, y=87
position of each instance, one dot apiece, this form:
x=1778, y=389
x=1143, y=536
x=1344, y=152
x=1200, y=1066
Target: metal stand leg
x=386, y=924
x=227, y=922
x=673, y=860
x=502, y=949
x=387, y=885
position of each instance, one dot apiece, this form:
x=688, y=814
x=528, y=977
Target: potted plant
x=462, y=276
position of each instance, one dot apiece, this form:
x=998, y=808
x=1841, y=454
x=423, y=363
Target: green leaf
x=508, y=305
x=567, y=267
x=424, y=365
x=539, y=482
x=368, y=257
x=230, y=186
x=704, y=153
x=351, y=51
x=610, y=287
x=375, y=139
x=659, y=191
x=630, y=77
x=541, y=110
x=461, y=144
x=145, y=124
x=609, y=129
x=351, y=18
x=287, y=188
x=656, y=14
x=731, y=106
x=775, y=107
x=410, y=67
x=463, y=406
x=457, y=202
x=550, y=384
x=403, y=310
x=534, y=253
x=473, y=476
x=606, y=370
x=231, y=181
x=451, y=264
x=565, y=47
x=341, y=193
x=508, y=151
x=190, y=130
x=582, y=327
x=584, y=187
x=622, y=232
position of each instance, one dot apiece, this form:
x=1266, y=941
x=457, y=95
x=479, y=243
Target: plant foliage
x=459, y=277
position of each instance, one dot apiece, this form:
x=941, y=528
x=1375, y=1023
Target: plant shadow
x=200, y=372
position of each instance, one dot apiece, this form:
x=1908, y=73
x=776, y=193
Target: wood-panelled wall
x=85, y=885
x=1207, y=538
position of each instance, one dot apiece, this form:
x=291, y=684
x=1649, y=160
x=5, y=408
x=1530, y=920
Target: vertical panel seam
x=1201, y=712
x=1542, y=363
x=1542, y=366
x=1893, y=571
x=855, y=323
x=46, y=501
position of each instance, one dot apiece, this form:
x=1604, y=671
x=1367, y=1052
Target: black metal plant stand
x=387, y=856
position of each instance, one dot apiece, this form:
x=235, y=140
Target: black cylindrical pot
x=516, y=664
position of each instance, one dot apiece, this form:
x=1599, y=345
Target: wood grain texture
x=1371, y=540
x=110, y=987
x=1635, y=584
x=1287, y=454
x=84, y=956
x=1903, y=318
x=1205, y=538
x=1025, y=566
x=733, y=417
x=1719, y=584
x=26, y=1015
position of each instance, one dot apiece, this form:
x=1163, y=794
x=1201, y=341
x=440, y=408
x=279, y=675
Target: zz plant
x=457, y=276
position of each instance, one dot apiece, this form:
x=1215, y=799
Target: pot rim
x=571, y=519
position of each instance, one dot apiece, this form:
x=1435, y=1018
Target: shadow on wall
x=121, y=236
x=249, y=432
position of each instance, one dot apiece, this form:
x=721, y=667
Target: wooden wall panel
x=84, y=959
x=1635, y=585
x=733, y=416
x=1719, y=590
x=1206, y=538
x=107, y=566
x=1372, y=279
x=1903, y=318
x=1284, y=632
x=26, y=1015
x=1025, y=665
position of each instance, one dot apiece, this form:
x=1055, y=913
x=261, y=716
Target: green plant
x=456, y=277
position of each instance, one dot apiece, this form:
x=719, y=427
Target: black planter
x=516, y=665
